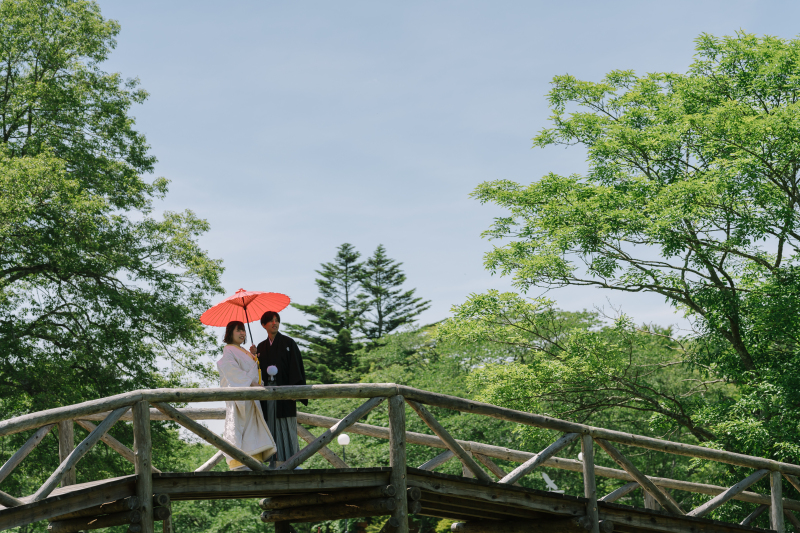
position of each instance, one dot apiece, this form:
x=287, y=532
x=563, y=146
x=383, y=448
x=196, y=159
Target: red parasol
x=236, y=307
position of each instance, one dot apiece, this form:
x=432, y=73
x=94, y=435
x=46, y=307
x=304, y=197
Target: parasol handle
x=248, y=323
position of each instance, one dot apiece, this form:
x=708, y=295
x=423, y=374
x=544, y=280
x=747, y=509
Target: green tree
x=581, y=367
x=389, y=306
x=93, y=287
x=691, y=193
x=333, y=317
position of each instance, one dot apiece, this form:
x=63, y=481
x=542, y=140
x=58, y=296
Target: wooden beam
x=166, y=524
x=465, y=471
x=792, y=518
x=8, y=500
x=647, y=521
x=451, y=443
x=476, y=509
x=790, y=478
x=95, y=522
x=755, y=514
x=529, y=465
x=552, y=525
x=491, y=466
x=211, y=437
x=113, y=443
x=589, y=483
x=620, y=492
x=211, y=463
x=117, y=506
x=444, y=510
x=414, y=507
x=452, y=487
x=23, y=452
x=728, y=494
x=143, y=461
x=203, y=485
x=67, y=500
x=650, y=502
x=66, y=445
x=316, y=498
x=390, y=526
x=84, y=409
x=500, y=452
x=303, y=455
x=36, y=420
x=436, y=462
x=374, y=507
x=776, y=508
x=650, y=443
x=195, y=413
x=133, y=517
x=325, y=452
x=397, y=460
x=287, y=392
x=76, y=455
x=643, y=480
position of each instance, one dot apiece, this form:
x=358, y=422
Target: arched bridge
x=485, y=498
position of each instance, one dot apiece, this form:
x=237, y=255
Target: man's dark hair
x=230, y=328
x=267, y=317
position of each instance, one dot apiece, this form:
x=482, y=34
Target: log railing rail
x=142, y=406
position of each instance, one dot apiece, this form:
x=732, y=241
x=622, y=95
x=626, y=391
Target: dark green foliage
x=691, y=193
x=93, y=287
x=333, y=317
x=389, y=307
x=359, y=303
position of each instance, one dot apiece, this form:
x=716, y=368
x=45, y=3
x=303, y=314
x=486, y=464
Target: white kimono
x=245, y=427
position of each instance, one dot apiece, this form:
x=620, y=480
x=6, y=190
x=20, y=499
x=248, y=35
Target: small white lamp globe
x=272, y=370
x=344, y=439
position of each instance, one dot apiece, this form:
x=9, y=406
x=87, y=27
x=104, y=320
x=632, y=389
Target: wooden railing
x=136, y=407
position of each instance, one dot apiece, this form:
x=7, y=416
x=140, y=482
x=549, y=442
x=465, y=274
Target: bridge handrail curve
x=370, y=390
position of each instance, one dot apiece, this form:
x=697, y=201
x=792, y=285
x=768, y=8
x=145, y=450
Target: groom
x=281, y=415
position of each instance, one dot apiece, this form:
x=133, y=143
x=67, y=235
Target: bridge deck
x=443, y=496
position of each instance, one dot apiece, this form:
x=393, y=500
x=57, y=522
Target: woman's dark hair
x=267, y=317
x=230, y=328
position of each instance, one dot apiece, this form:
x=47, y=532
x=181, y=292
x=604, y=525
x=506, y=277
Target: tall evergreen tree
x=328, y=338
x=389, y=306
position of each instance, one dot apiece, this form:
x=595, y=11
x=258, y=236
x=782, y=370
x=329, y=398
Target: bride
x=245, y=427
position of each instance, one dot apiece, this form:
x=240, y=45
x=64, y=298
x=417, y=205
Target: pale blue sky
x=293, y=127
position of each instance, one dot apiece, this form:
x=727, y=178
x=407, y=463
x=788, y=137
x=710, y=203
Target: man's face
x=272, y=326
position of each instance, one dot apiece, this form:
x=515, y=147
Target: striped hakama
x=284, y=431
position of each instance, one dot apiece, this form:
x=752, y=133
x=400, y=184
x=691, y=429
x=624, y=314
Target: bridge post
x=142, y=454
x=589, y=484
x=66, y=444
x=776, y=507
x=397, y=460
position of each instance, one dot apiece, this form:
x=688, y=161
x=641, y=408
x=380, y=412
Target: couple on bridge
x=266, y=430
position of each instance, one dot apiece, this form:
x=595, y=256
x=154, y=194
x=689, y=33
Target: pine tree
x=389, y=307
x=334, y=316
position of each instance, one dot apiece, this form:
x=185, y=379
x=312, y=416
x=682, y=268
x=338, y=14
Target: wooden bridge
x=478, y=501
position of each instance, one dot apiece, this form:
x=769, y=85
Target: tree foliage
x=388, y=305
x=359, y=303
x=691, y=193
x=581, y=366
x=95, y=289
x=335, y=315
